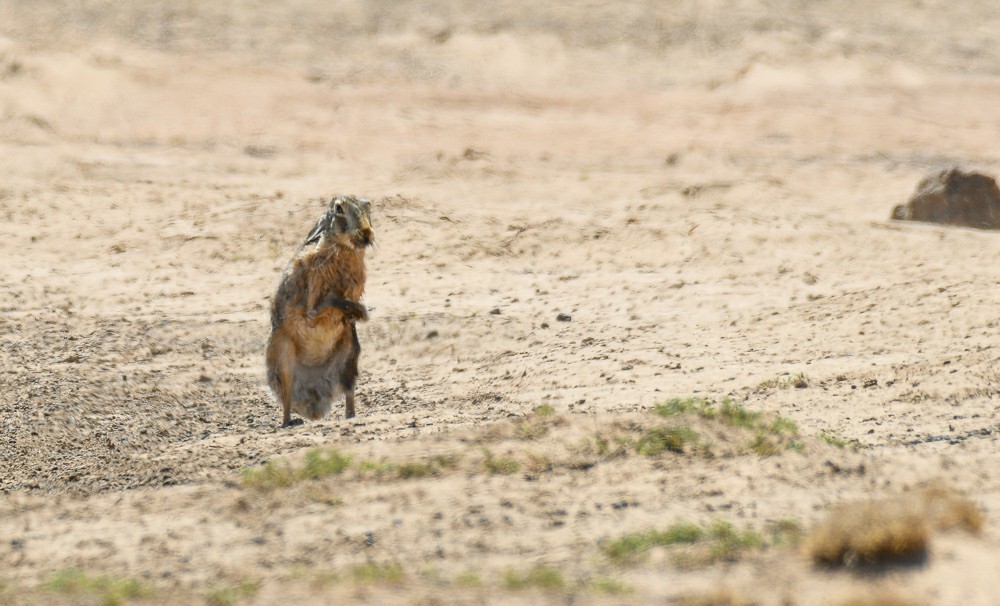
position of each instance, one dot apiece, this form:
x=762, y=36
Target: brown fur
x=312, y=355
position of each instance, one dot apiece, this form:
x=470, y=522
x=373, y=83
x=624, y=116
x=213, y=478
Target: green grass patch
x=229, y=596
x=609, y=586
x=738, y=416
x=499, y=465
x=680, y=406
x=409, y=469
x=106, y=590
x=771, y=434
x=695, y=545
x=539, y=577
x=378, y=468
x=545, y=410
x=634, y=547
x=658, y=440
x=318, y=463
x=727, y=543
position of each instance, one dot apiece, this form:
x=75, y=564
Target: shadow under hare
x=312, y=354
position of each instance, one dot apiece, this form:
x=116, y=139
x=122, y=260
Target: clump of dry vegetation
x=879, y=598
x=797, y=381
x=892, y=530
x=719, y=597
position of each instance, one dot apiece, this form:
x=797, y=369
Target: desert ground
x=600, y=227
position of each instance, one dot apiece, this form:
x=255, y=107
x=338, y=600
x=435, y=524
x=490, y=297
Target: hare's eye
x=338, y=210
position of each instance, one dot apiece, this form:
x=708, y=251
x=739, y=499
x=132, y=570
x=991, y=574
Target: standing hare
x=312, y=355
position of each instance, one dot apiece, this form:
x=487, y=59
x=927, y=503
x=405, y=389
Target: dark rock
x=953, y=197
x=564, y=317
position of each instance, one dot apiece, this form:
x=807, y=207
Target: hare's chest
x=318, y=340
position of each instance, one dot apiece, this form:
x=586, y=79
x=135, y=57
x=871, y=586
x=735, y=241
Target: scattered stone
x=432, y=334
x=564, y=317
x=495, y=311
x=953, y=197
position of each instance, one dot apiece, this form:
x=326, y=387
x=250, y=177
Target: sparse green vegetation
x=728, y=543
x=611, y=586
x=659, y=439
x=785, y=532
x=468, y=579
x=409, y=469
x=635, y=546
x=371, y=573
x=841, y=442
x=772, y=434
x=228, y=596
x=377, y=468
x=537, y=424
x=680, y=406
x=539, y=577
x=784, y=425
x=318, y=463
x=499, y=465
x=106, y=590
x=737, y=415
x=763, y=446
x=718, y=541
x=545, y=410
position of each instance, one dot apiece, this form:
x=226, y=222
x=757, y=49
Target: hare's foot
x=292, y=423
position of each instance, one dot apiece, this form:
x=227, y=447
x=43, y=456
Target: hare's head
x=349, y=217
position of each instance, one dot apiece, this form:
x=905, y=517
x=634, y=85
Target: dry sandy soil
x=703, y=187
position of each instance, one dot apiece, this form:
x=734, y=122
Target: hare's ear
x=317, y=231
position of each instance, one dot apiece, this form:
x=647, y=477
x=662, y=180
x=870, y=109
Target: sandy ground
x=704, y=188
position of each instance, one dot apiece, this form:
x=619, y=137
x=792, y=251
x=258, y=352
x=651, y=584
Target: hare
x=312, y=354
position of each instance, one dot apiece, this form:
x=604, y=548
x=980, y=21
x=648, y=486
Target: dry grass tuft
x=949, y=510
x=879, y=598
x=892, y=530
x=870, y=533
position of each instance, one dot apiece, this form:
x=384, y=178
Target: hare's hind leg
x=350, y=373
x=280, y=363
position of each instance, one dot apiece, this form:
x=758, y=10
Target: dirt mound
x=954, y=197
